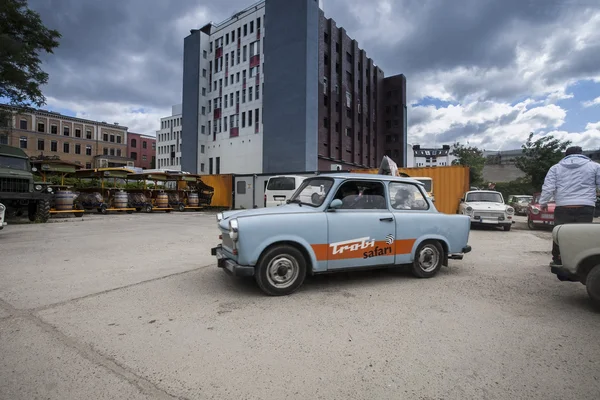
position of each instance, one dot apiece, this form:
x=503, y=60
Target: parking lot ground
x=132, y=306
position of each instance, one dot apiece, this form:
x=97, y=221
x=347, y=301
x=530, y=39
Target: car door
x=408, y=204
x=361, y=232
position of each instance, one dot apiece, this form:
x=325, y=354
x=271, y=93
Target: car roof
x=353, y=175
x=483, y=191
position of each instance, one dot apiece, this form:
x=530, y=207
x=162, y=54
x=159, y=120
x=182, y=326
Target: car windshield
x=523, y=199
x=427, y=183
x=14, y=163
x=312, y=191
x=492, y=197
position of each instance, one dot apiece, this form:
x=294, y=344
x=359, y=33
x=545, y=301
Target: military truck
x=18, y=190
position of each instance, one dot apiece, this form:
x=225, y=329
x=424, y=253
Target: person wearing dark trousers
x=572, y=183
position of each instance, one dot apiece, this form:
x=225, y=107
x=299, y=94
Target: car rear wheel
x=592, y=284
x=281, y=270
x=428, y=259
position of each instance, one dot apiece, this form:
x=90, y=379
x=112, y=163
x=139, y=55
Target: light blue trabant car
x=336, y=222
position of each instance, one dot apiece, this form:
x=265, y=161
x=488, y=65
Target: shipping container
x=222, y=185
x=449, y=183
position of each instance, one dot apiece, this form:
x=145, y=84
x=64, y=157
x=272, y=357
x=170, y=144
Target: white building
x=229, y=97
x=168, y=141
x=419, y=157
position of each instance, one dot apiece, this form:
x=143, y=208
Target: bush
x=516, y=187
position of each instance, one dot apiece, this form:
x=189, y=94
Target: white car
x=2, y=211
x=487, y=207
x=580, y=256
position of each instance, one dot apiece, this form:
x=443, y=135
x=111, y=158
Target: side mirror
x=336, y=204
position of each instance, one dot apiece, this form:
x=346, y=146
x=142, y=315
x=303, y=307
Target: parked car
x=280, y=188
x=2, y=212
x=536, y=217
x=580, y=256
x=520, y=203
x=358, y=221
x=486, y=207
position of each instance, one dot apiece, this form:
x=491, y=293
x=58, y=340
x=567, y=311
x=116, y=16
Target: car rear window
x=282, y=184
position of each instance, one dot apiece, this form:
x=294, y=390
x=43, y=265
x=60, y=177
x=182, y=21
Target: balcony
x=234, y=132
x=255, y=61
x=217, y=113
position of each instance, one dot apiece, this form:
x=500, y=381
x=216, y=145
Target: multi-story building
x=168, y=140
x=142, y=150
x=430, y=157
x=90, y=144
x=280, y=88
x=396, y=146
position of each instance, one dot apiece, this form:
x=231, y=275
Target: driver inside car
x=402, y=199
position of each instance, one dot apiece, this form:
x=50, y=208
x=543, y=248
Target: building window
x=243, y=95
x=245, y=29
x=203, y=129
x=88, y=165
x=77, y=149
x=202, y=148
x=133, y=143
x=41, y=144
x=118, y=152
x=210, y=165
x=105, y=137
x=54, y=129
x=54, y=146
x=41, y=127
x=134, y=155
x=23, y=142
x=201, y=167
x=256, y=119
x=23, y=124
x=326, y=122
x=251, y=26
x=203, y=91
x=118, y=139
x=3, y=139
x=66, y=130
x=78, y=133
x=112, y=152
x=256, y=94
x=250, y=94
x=144, y=158
x=203, y=110
x=66, y=147
x=204, y=72
x=88, y=150
x=245, y=54
x=218, y=165
x=112, y=138
x=144, y=145
x=243, y=120
x=105, y=151
x=153, y=145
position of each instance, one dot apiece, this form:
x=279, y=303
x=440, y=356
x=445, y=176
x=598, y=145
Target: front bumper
x=230, y=266
x=459, y=256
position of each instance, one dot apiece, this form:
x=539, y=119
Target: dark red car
x=536, y=217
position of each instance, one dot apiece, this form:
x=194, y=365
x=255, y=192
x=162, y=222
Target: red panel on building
x=217, y=113
x=255, y=61
x=234, y=132
x=219, y=52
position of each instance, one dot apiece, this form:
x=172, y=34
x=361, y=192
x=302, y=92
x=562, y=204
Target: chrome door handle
x=387, y=219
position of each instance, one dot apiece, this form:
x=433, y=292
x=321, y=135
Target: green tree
x=471, y=157
x=539, y=155
x=23, y=37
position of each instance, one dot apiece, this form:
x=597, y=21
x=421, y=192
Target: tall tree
x=23, y=37
x=471, y=157
x=539, y=155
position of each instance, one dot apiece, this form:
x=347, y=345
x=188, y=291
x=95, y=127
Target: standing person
x=491, y=186
x=572, y=183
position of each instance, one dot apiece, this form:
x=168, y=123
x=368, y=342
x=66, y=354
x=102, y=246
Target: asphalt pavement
x=133, y=307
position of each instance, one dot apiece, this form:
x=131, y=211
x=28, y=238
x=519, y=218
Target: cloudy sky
x=486, y=72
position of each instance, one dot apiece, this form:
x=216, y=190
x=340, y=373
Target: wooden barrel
x=121, y=199
x=193, y=200
x=162, y=200
x=63, y=200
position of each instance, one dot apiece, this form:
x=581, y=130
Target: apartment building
x=142, y=150
x=90, y=144
x=395, y=130
x=431, y=157
x=169, y=139
x=278, y=87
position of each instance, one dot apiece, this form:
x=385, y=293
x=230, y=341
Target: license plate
x=547, y=216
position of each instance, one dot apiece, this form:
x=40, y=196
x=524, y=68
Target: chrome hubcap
x=282, y=271
x=428, y=258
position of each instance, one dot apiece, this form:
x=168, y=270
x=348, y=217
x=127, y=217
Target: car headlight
x=219, y=216
x=38, y=187
x=233, y=229
x=49, y=189
x=535, y=210
x=510, y=210
x=469, y=209
x=2, y=208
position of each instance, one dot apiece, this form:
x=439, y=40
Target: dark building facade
x=394, y=118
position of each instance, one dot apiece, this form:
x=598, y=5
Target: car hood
x=14, y=173
x=486, y=205
x=283, y=209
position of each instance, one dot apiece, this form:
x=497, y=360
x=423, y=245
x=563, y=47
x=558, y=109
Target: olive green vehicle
x=18, y=190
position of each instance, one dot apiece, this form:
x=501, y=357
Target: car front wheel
x=281, y=270
x=592, y=284
x=428, y=259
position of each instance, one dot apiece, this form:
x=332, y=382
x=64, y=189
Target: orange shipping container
x=223, y=185
x=449, y=183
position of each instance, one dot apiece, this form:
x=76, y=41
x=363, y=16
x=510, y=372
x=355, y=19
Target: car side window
x=361, y=195
x=406, y=196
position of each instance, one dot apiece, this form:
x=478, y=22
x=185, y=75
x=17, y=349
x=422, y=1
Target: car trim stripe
x=324, y=252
